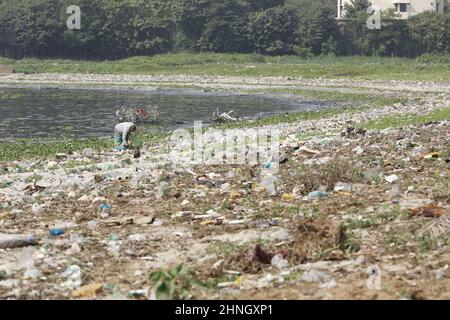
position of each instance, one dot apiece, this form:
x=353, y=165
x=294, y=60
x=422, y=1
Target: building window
x=401, y=7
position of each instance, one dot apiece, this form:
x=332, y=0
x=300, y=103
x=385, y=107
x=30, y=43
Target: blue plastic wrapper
x=56, y=232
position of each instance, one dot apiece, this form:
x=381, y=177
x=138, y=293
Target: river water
x=53, y=113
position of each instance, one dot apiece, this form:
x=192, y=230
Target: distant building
x=406, y=8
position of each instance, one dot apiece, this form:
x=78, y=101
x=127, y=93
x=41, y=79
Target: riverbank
x=381, y=164
x=352, y=96
x=426, y=68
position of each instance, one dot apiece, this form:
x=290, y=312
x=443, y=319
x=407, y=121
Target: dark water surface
x=34, y=113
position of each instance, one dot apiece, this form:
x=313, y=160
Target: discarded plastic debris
x=268, y=182
x=162, y=190
x=107, y=167
x=430, y=156
x=138, y=293
x=56, y=232
x=288, y=197
x=417, y=151
x=143, y=220
x=73, y=276
x=235, y=194
x=307, y=150
x=88, y=152
x=392, y=178
x=88, y=291
x=326, y=141
x=395, y=193
x=314, y=275
x=268, y=165
x=51, y=165
x=223, y=117
x=6, y=184
x=9, y=284
x=317, y=195
x=358, y=150
x=439, y=227
x=279, y=262
x=16, y=240
x=137, y=237
x=105, y=206
x=430, y=211
x=25, y=259
x=113, y=237
x=342, y=187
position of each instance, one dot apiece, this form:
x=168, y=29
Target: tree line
x=112, y=29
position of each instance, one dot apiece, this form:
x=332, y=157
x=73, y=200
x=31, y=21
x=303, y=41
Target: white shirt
x=124, y=129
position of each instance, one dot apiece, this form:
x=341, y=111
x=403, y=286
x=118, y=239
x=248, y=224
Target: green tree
x=317, y=30
x=273, y=31
x=154, y=25
x=34, y=25
x=224, y=30
x=431, y=30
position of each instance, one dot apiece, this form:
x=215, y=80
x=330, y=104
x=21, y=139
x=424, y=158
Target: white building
x=406, y=8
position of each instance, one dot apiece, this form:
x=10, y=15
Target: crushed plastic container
x=105, y=206
x=56, y=232
x=16, y=240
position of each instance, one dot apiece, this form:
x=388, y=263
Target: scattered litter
x=358, y=150
x=317, y=195
x=433, y=155
x=323, y=278
x=342, y=187
x=392, y=178
x=279, y=262
x=288, y=197
x=430, y=211
x=105, y=206
x=73, y=277
x=88, y=291
x=268, y=182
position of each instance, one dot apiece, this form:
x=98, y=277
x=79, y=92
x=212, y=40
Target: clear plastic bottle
x=268, y=182
x=16, y=240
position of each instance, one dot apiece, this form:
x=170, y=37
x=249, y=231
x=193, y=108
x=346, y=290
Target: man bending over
x=122, y=135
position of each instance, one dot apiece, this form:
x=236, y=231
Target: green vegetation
x=174, y=284
x=27, y=148
x=253, y=65
x=114, y=29
x=396, y=121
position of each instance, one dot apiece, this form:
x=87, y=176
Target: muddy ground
x=380, y=228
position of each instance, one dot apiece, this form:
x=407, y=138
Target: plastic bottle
x=268, y=182
x=16, y=240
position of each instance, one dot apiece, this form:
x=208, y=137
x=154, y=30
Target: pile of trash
x=343, y=207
